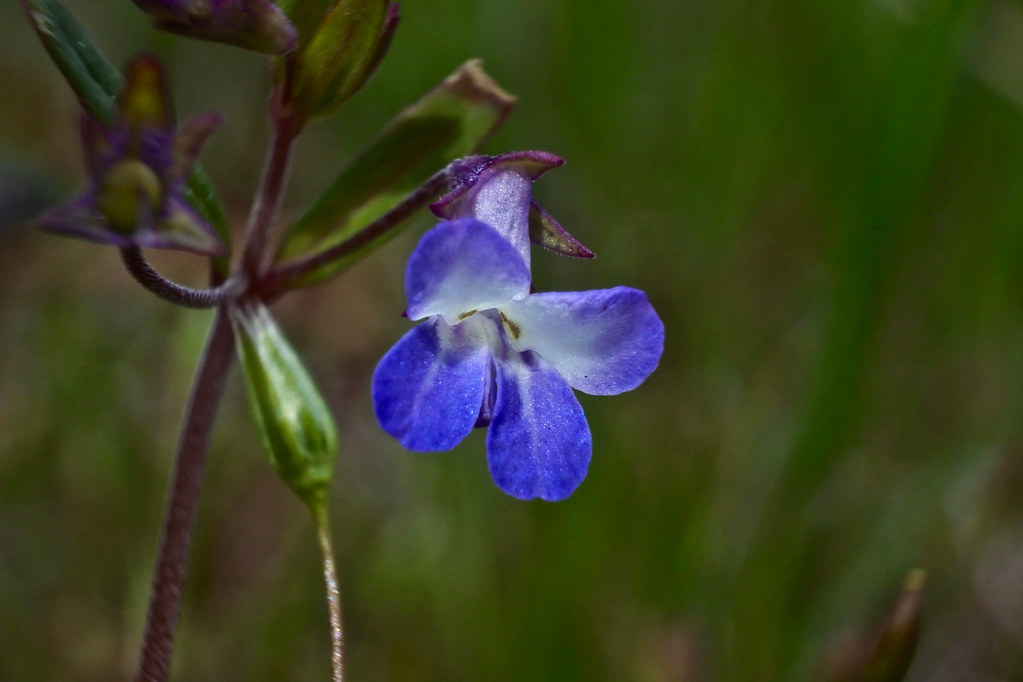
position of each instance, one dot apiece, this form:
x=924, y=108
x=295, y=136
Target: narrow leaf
x=454, y=119
x=89, y=73
x=201, y=195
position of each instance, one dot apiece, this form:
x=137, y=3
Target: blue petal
x=460, y=267
x=602, y=342
x=539, y=442
x=427, y=390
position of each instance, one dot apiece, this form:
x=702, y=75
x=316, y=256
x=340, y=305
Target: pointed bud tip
x=144, y=101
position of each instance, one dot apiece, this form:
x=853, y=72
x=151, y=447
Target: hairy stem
x=279, y=278
x=143, y=272
x=179, y=521
x=337, y=637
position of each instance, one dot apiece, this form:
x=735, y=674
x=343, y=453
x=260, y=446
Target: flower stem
x=279, y=278
x=337, y=637
x=143, y=272
x=268, y=198
x=179, y=521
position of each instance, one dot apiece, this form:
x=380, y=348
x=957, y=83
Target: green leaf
x=454, y=119
x=200, y=194
x=96, y=82
x=295, y=425
x=91, y=75
x=336, y=61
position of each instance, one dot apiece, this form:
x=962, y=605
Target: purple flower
x=490, y=353
x=137, y=170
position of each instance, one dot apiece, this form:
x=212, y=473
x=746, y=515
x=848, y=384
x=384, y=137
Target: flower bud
x=257, y=25
x=340, y=56
x=295, y=426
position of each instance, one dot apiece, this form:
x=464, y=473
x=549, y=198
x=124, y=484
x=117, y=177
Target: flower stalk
x=179, y=520
x=267, y=204
x=333, y=590
x=175, y=542
x=187, y=297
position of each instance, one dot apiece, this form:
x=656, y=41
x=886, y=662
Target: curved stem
x=268, y=197
x=337, y=637
x=279, y=278
x=179, y=521
x=143, y=272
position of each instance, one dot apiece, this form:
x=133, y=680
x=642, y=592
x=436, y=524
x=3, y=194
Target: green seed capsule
x=295, y=426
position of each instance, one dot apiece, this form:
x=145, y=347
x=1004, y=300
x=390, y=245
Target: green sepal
x=96, y=83
x=295, y=425
x=454, y=119
x=338, y=58
x=547, y=232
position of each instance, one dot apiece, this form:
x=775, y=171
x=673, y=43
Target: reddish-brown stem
x=189, y=466
x=279, y=278
x=144, y=273
x=268, y=198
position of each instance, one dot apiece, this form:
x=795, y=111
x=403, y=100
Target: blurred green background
x=824, y=201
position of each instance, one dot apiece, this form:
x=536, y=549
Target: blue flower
x=490, y=353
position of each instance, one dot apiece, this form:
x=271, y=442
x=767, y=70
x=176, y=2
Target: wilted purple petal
x=78, y=217
x=538, y=443
x=96, y=144
x=182, y=227
x=427, y=390
x=602, y=342
x=460, y=267
x=191, y=136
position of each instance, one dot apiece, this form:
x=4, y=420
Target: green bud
x=340, y=55
x=295, y=426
